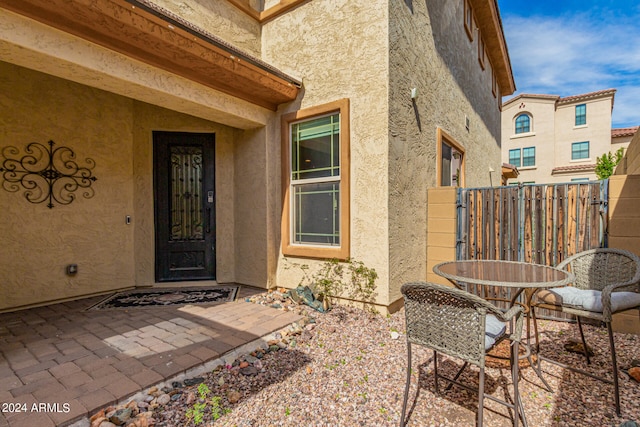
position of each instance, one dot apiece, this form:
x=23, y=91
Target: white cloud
x=578, y=53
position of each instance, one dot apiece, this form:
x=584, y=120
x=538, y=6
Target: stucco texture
x=116, y=132
x=316, y=41
x=430, y=51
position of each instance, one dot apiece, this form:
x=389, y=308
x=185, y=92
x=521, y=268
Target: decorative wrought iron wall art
x=46, y=174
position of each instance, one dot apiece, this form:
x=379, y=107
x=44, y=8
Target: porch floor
x=79, y=361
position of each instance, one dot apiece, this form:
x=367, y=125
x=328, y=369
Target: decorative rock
x=395, y=335
x=244, y=364
x=152, y=390
x=635, y=373
x=233, y=396
x=629, y=424
x=221, y=381
x=175, y=396
x=193, y=381
x=282, y=345
x=250, y=359
x=95, y=422
x=249, y=371
x=577, y=347
x=191, y=398
x=635, y=363
x=257, y=364
x=163, y=399
x=120, y=416
x=274, y=347
x=107, y=424
x=99, y=414
x=176, y=384
x=310, y=327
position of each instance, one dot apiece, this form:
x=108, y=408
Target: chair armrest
x=516, y=312
x=606, y=296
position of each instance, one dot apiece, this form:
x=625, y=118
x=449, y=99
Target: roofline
x=565, y=100
x=590, y=95
x=487, y=15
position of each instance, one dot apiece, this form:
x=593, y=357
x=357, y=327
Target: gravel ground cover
x=347, y=367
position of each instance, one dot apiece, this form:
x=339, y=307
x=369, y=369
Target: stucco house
x=558, y=139
x=210, y=140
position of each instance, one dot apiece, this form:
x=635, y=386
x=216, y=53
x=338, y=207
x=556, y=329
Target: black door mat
x=163, y=297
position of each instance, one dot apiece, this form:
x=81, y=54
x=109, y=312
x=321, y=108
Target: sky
x=571, y=47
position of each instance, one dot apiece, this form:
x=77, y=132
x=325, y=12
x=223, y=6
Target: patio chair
x=607, y=282
x=459, y=324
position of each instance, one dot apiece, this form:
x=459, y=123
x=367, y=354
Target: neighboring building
x=226, y=137
x=554, y=139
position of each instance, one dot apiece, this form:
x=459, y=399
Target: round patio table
x=509, y=274
x=519, y=276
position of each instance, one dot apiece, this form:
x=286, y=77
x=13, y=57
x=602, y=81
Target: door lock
x=210, y=197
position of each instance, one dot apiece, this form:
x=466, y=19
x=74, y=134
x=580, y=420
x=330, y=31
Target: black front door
x=185, y=229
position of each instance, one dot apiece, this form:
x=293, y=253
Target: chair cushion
x=494, y=329
x=588, y=299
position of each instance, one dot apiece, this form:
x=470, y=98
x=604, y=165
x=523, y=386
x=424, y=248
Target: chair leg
x=480, y=396
x=614, y=362
x=535, y=328
x=516, y=393
x=435, y=369
x=406, y=389
x=584, y=342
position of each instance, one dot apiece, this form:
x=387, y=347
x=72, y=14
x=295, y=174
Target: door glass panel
x=186, y=193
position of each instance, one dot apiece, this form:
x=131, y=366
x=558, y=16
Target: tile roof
x=574, y=168
x=585, y=96
x=619, y=132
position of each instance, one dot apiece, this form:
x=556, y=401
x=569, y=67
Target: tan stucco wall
x=630, y=163
x=307, y=43
x=37, y=243
x=430, y=51
x=221, y=19
x=553, y=132
x=624, y=233
x=542, y=112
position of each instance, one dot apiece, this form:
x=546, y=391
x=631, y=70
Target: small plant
x=287, y=411
x=606, y=164
x=196, y=413
x=336, y=278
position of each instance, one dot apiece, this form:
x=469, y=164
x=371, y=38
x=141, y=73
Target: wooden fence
x=543, y=224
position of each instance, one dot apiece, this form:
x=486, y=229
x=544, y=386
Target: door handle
x=208, y=221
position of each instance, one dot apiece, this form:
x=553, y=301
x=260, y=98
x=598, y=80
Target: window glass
x=523, y=123
x=580, y=150
x=450, y=165
x=316, y=217
x=315, y=156
x=581, y=114
x=529, y=156
x=514, y=157
x=315, y=150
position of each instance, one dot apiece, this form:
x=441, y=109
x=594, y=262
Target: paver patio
x=77, y=361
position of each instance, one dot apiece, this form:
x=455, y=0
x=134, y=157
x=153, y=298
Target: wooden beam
x=152, y=38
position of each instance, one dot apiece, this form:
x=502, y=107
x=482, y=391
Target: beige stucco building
x=558, y=139
x=225, y=136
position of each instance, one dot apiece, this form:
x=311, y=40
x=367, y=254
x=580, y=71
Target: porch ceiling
x=144, y=31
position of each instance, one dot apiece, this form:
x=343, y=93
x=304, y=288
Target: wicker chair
x=607, y=282
x=459, y=324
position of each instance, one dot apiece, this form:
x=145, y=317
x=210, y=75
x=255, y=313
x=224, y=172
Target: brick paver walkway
x=60, y=363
